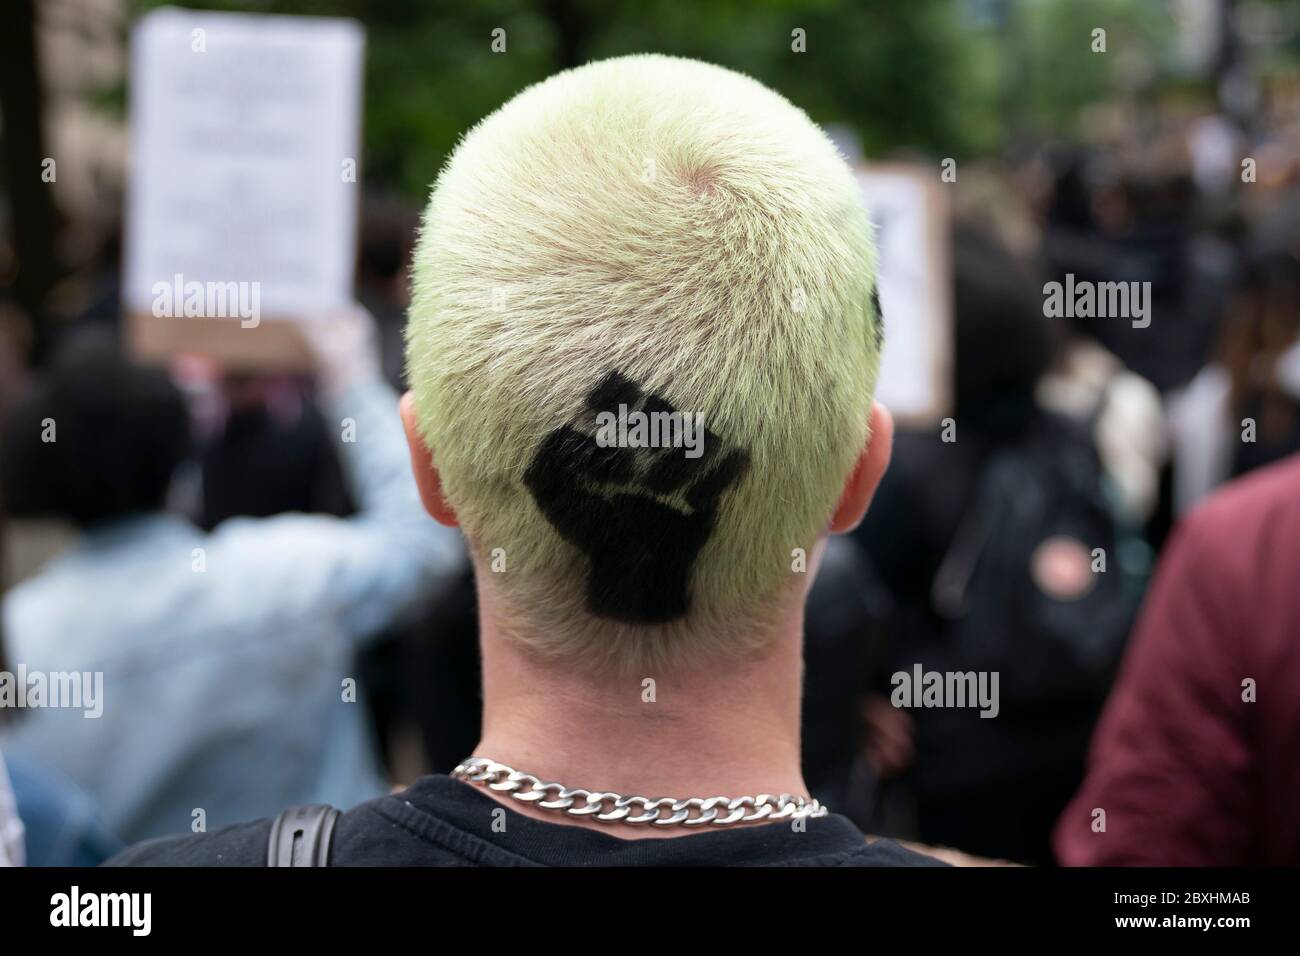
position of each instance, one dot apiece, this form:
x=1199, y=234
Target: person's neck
x=730, y=730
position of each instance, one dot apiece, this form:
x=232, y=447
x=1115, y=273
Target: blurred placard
x=243, y=189
x=910, y=212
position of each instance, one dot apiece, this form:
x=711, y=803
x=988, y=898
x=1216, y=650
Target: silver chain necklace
x=615, y=808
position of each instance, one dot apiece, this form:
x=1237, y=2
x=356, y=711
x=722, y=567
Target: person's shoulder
x=1258, y=514
x=243, y=844
x=1259, y=497
x=888, y=853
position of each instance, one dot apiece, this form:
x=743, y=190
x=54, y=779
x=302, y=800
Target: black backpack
x=1046, y=649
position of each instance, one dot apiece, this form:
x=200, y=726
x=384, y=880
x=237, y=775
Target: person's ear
x=427, y=479
x=866, y=475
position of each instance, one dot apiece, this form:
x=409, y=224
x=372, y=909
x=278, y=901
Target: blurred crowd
x=1077, y=441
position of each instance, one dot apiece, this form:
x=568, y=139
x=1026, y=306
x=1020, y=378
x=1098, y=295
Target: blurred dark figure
x=986, y=544
x=388, y=228
x=844, y=650
x=272, y=455
x=1243, y=410
x=98, y=442
x=445, y=678
x=1262, y=345
x=1132, y=224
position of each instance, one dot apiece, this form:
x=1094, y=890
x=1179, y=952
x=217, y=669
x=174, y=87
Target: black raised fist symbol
x=613, y=503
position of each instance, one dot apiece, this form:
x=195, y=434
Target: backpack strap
x=948, y=591
x=300, y=836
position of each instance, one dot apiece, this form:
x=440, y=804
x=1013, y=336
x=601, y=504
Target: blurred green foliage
x=944, y=77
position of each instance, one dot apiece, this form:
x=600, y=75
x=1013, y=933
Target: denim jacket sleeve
x=373, y=567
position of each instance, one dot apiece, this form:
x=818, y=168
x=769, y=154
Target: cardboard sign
x=243, y=191
x=910, y=212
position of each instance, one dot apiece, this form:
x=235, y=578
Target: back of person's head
x=93, y=440
x=1272, y=261
x=1262, y=325
x=664, y=235
x=1004, y=341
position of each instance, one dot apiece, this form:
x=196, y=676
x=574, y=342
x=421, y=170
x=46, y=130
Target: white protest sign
x=909, y=211
x=244, y=150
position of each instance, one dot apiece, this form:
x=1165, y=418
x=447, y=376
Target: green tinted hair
x=682, y=228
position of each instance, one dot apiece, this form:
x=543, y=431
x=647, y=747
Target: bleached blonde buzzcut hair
x=677, y=226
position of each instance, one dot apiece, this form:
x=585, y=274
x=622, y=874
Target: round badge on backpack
x=1061, y=566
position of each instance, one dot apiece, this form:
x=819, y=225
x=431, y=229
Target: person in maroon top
x=1196, y=760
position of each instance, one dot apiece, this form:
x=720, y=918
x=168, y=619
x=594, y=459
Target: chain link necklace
x=615, y=808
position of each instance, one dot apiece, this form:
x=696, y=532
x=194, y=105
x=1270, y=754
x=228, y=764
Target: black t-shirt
x=443, y=822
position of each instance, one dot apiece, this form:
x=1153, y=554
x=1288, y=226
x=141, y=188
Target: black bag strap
x=948, y=591
x=300, y=836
